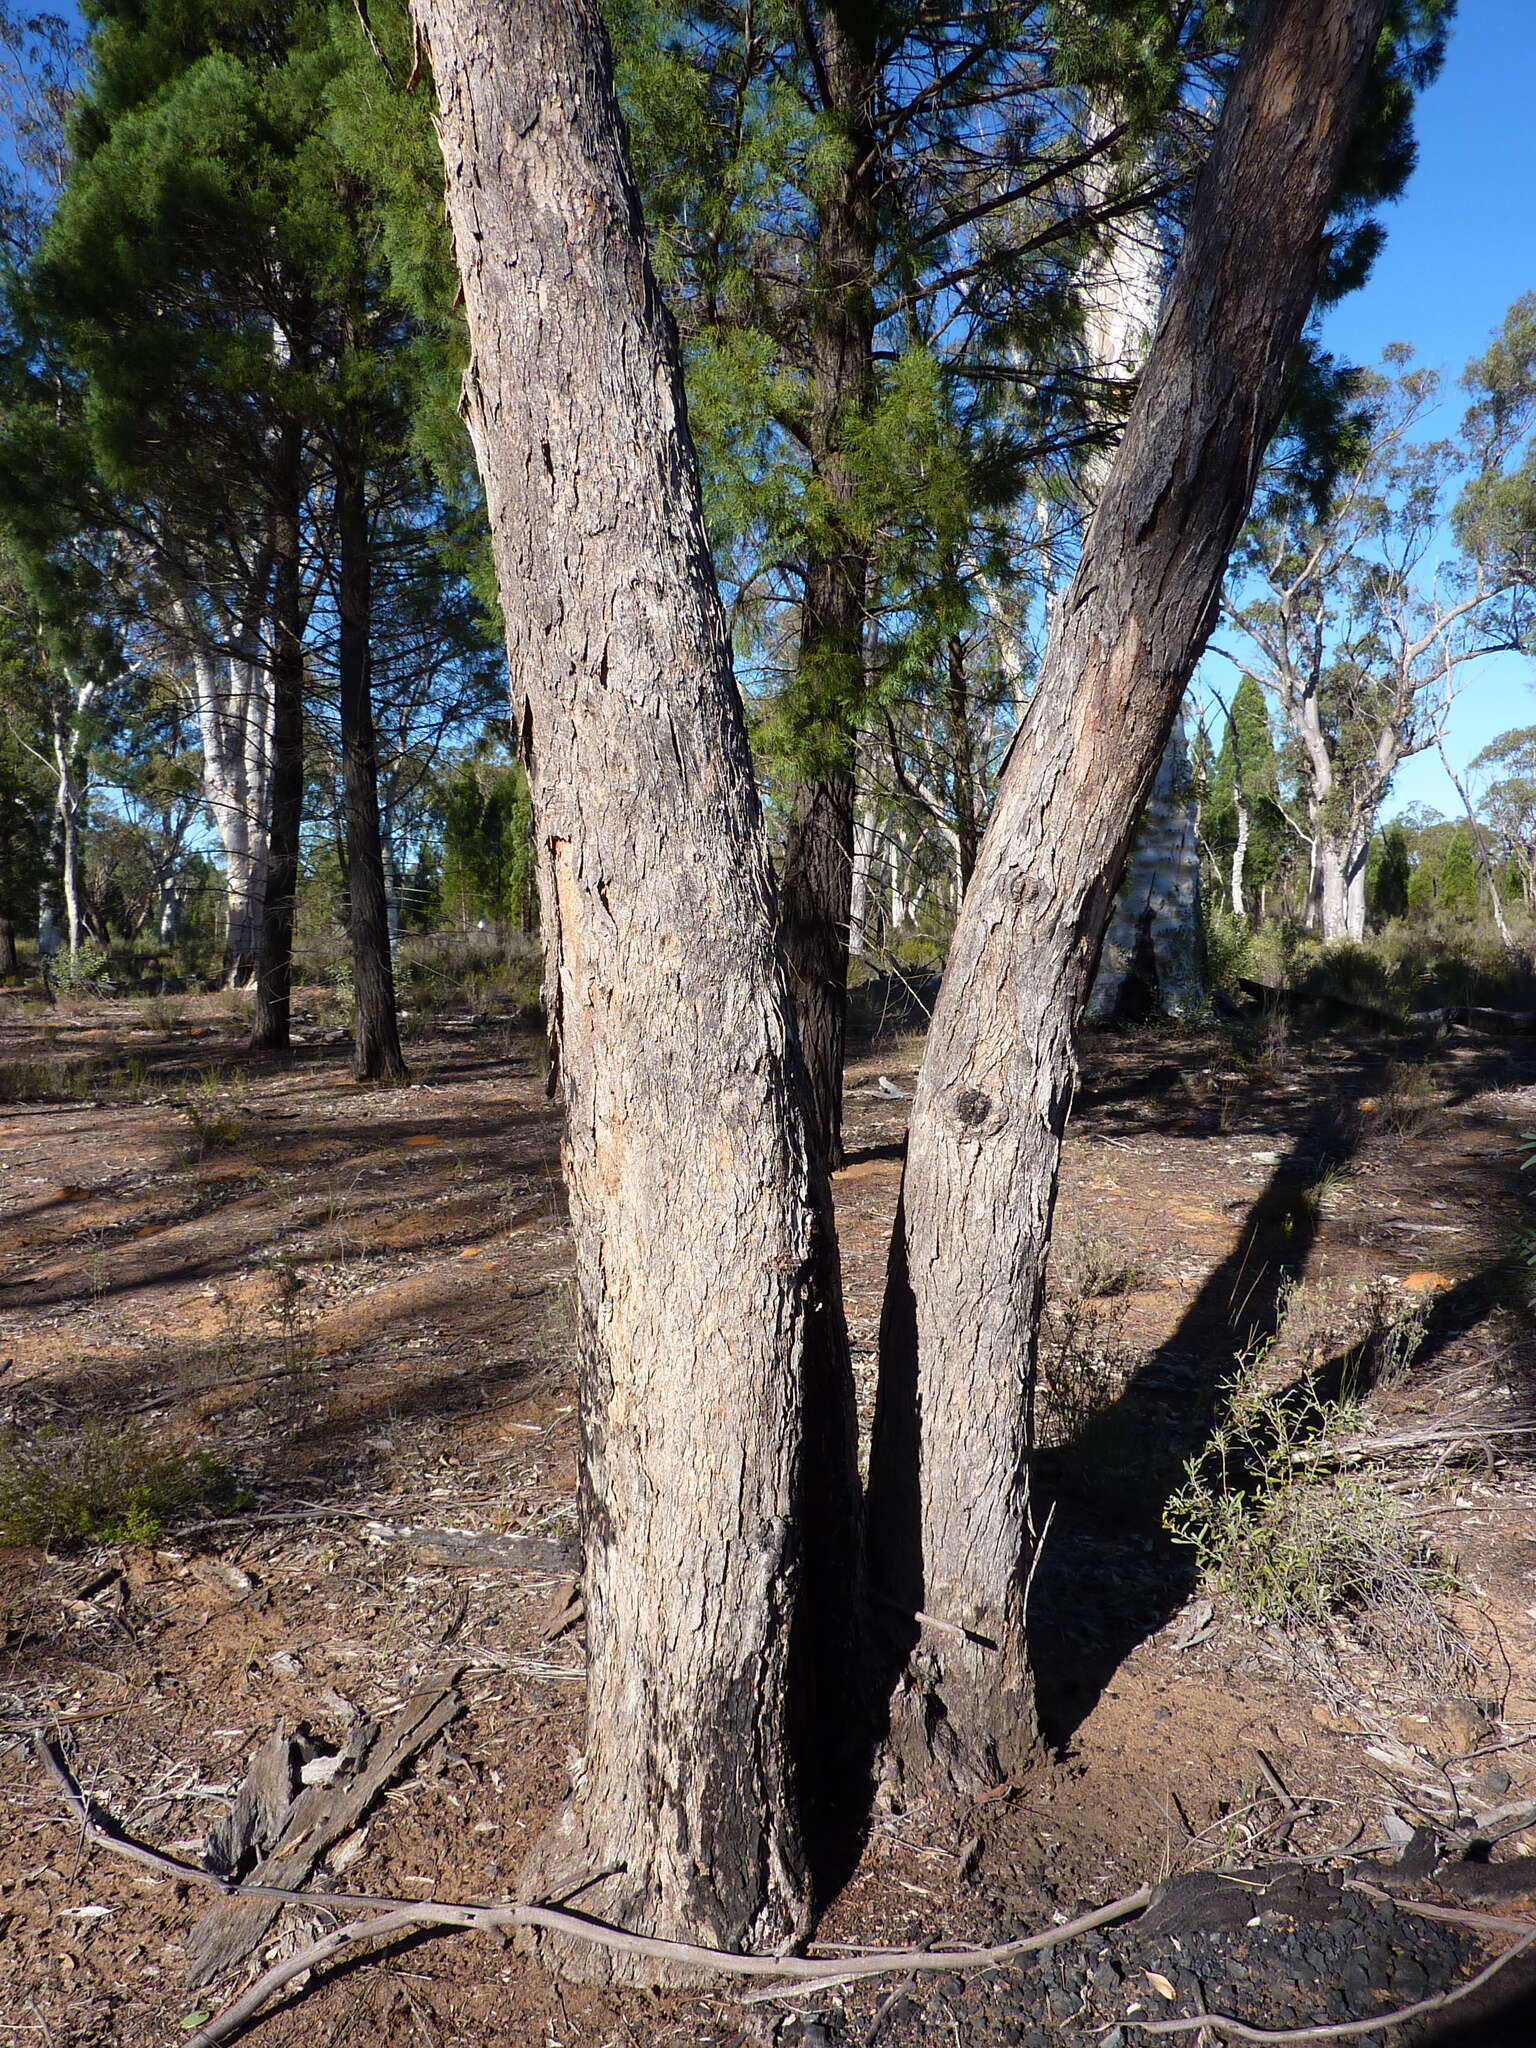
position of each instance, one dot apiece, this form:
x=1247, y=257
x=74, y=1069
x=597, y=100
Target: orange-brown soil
x=357, y=1301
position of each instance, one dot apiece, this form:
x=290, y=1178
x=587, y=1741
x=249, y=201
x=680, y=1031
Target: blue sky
x=1461, y=245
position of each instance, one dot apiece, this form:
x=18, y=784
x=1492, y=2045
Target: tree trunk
x=1152, y=948
x=815, y=906
x=818, y=849
x=1239, y=857
x=7, y=946
x=949, y=1472
x=66, y=811
x=1152, y=943
x=1340, y=888
x=1480, y=846
x=376, y=1054
x=965, y=779
x=865, y=850
x=274, y=973
x=718, y=1481
x=168, y=911
x=232, y=700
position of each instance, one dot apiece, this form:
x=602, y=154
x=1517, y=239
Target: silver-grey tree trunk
x=718, y=1482
x=1153, y=935
x=949, y=1526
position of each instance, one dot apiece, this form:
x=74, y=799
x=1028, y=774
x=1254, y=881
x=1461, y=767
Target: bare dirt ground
x=356, y=1302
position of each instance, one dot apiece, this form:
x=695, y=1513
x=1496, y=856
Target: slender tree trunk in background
x=1480, y=847
x=1339, y=888
x=274, y=968
x=376, y=1054
x=864, y=847
x=949, y=1493
x=1239, y=856
x=1153, y=942
x=232, y=702
x=815, y=909
x=7, y=946
x=50, y=893
x=962, y=746
x=817, y=878
x=67, y=802
x=718, y=1477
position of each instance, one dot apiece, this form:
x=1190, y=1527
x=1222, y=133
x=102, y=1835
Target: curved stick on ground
x=1339, y=2030
x=808, y=1973
x=812, y=1975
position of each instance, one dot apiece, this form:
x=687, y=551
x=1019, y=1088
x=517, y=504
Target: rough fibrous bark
x=274, y=966
x=816, y=911
x=817, y=885
x=376, y=1054
x=949, y=1485
x=715, y=1397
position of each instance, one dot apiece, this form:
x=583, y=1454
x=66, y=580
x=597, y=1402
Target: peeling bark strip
x=715, y=1393
x=949, y=1487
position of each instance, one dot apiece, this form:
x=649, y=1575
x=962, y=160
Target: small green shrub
x=1227, y=941
x=1350, y=971
x=1407, y=1101
x=160, y=1013
x=102, y=1485
x=1290, y=1538
x=44, y=1080
x=212, y=1124
x=82, y=973
x=1082, y=1366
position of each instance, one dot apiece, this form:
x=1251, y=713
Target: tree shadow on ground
x=1109, y=1574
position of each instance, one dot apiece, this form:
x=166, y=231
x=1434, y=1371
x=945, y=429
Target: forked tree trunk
x=232, y=703
x=949, y=1470
x=718, y=1483
x=274, y=968
x=376, y=1054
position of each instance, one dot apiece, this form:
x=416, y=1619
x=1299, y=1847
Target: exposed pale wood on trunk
x=949, y=1484
x=718, y=1481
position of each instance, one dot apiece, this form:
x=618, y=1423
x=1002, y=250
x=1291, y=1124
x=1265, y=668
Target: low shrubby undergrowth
x=103, y=1484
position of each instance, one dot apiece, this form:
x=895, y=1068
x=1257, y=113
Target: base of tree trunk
x=927, y=1757
x=565, y=1866
x=379, y=1067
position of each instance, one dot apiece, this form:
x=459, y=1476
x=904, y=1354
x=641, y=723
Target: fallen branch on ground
x=796, y=1975
x=1492, y=1923
x=804, y=1972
